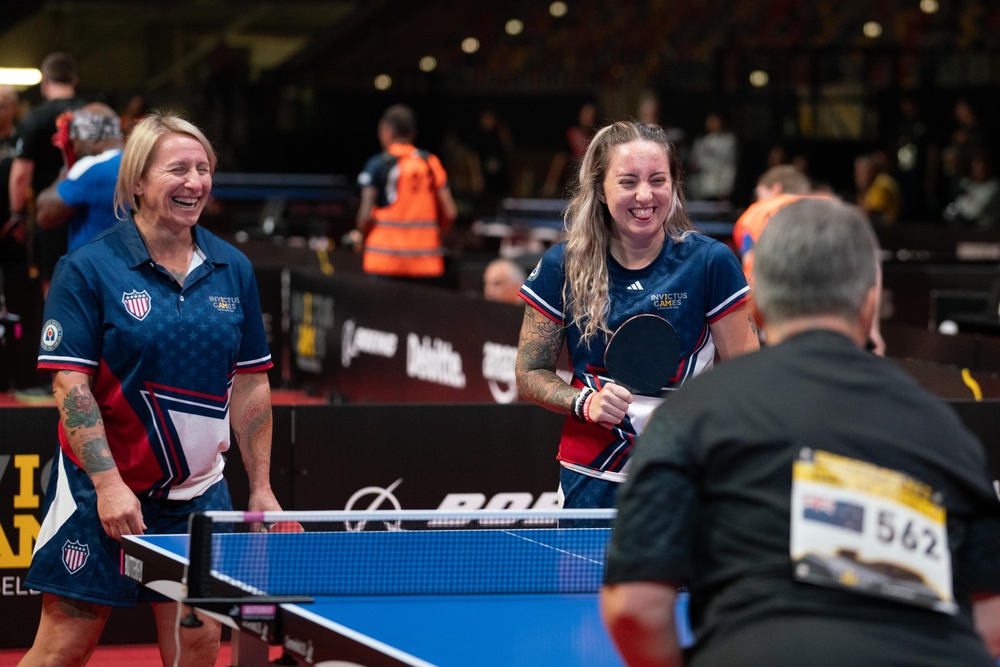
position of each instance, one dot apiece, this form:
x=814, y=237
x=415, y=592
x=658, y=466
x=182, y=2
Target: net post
x=199, y=556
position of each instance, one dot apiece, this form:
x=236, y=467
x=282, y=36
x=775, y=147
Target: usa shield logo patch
x=137, y=304
x=74, y=556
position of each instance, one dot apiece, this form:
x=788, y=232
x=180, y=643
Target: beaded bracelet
x=586, y=407
x=576, y=407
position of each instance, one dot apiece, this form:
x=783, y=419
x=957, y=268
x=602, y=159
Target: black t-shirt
x=708, y=503
x=36, y=130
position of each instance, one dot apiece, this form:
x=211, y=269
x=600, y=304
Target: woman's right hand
x=608, y=406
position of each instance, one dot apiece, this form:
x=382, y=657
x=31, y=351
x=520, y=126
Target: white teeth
x=642, y=212
x=184, y=201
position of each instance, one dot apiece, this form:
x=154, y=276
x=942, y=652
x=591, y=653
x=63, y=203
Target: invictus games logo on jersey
x=74, y=556
x=668, y=300
x=137, y=304
x=52, y=334
x=225, y=303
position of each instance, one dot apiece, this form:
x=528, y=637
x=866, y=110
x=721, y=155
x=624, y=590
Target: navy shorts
x=73, y=555
x=585, y=492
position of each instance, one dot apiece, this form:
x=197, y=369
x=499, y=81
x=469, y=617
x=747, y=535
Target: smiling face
x=638, y=189
x=175, y=188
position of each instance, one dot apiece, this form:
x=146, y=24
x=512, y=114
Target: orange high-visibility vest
x=405, y=234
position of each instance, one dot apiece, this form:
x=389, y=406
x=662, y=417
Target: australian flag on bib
x=137, y=303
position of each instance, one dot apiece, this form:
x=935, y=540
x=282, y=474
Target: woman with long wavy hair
x=630, y=249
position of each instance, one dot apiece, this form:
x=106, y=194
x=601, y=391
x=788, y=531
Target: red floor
x=133, y=655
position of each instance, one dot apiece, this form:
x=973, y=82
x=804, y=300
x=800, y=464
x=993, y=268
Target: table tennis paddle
x=643, y=353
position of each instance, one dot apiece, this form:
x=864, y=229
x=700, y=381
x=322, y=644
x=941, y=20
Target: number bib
x=869, y=529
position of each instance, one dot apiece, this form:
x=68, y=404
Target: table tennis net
x=400, y=553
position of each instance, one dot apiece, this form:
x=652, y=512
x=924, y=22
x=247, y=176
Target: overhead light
x=514, y=27
x=470, y=44
x=872, y=29
x=558, y=9
x=383, y=82
x=20, y=76
x=929, y=6
x=428, y=64
x=759, y=78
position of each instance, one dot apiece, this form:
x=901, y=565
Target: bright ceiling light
x=514, y=27
x=20, y=76
x=470, y=44
x=428, y=64
x=558, y=9
x=383, y=82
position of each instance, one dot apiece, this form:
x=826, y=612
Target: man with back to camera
x=37, y=162
x=83, y=195
x=822, y=508
x=405, y=205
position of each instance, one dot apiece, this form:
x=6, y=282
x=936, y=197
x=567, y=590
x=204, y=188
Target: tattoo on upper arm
x=753, y=323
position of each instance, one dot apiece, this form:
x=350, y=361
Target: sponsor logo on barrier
x=498, y=369
x=433, y=360
x=383, y=498
x=357, y=340
x=311, y=318
x=19, y=482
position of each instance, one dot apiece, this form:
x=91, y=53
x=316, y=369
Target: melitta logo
x=433, y=361
x=498, y=367
x=369, y=341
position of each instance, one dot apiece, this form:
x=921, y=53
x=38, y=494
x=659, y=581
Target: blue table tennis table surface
x=487, y=630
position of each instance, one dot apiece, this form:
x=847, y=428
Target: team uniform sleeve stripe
x=52, y=362
x=728, y=305
x=255, y=366
x=541, y=305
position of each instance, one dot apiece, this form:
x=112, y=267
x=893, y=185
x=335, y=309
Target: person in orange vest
x=405, y=205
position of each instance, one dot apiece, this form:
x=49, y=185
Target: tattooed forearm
x=253, y=430
x=95, y=456
x=80, y=409
x=538, y=351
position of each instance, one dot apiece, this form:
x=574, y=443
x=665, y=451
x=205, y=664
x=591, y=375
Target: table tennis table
x=483, y=627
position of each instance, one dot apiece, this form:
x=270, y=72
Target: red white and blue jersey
x=691, y=284
x=163, y=357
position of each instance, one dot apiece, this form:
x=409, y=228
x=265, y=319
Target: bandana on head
x=94, y=127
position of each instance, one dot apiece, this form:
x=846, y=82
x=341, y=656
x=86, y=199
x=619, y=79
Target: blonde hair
x=588, y=224
x=141, y=151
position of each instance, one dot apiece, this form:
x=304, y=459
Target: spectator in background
x=916, y=160
x=502, y=280
x=489, y=166
x=713, y=159
x=978, y=204
x=968, y=136
x=83, y=196
x=38, y=161
x=577, y=138
x=405, y=205
x=877, y=192
x=12, y=231
x=749, y=483
x=776, y=187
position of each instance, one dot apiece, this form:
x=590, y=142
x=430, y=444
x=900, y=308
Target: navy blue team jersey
x=691, y=284
x=162, y=356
